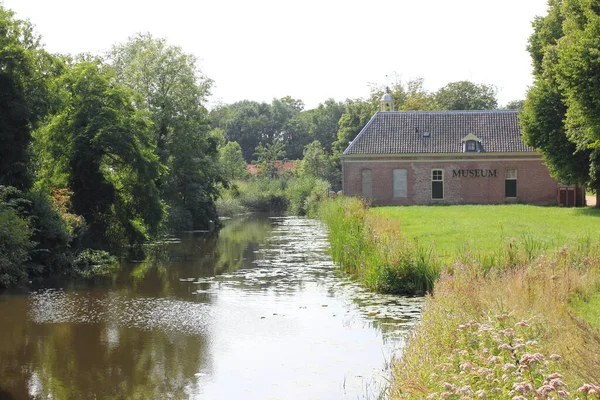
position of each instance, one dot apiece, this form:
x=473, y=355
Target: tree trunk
x=598, y=196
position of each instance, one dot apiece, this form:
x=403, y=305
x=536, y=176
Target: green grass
x=481, y=229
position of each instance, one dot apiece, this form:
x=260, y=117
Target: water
x=258, y=312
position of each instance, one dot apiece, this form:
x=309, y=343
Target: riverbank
x=498, y=323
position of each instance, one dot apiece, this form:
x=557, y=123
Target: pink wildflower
x=494, y=359
x=522, y=323
x=465, y=391
x=523, y=387
x=508, y=367
x=449, y=387
x=545, y=390
x=554, y=375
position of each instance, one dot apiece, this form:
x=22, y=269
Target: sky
x=311, y=50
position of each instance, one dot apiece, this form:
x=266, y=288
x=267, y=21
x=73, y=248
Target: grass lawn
x=483, y=228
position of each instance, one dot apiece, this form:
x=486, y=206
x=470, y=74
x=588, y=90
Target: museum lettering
x=474, y=173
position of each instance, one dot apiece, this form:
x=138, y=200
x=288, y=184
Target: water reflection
x=257, y=312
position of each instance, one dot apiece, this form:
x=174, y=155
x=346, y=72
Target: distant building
x=281, y=167
x=470, y=157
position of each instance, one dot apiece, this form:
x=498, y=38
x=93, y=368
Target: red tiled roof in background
x=281, y=167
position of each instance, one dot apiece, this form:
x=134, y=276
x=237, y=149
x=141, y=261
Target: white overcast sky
x=313, y=49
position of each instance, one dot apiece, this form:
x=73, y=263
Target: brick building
x=470, y=157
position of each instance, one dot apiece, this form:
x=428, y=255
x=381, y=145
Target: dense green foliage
x=98, y=155
x=232, y=161
x=465, y=95
x=14, y=237
x=298, y=195
x=25, y=73
x=99, y=144
x=173, y=90
x=562, y=107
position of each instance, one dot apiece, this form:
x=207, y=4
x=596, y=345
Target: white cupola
x=387, y=102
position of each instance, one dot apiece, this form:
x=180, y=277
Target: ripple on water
x=169, y=315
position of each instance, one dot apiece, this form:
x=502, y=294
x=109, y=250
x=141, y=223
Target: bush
x=15, y=232
x=55, y=229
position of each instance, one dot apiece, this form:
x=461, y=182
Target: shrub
x=14, y=246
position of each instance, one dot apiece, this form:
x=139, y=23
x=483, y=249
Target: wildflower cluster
x=498, y=361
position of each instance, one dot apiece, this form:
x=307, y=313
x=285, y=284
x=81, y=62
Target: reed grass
x=373, y=249
x=516, y=317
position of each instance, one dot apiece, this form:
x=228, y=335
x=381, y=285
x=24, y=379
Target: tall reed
x=373, y=249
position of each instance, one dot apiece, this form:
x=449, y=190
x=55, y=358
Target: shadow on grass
x=590, y=211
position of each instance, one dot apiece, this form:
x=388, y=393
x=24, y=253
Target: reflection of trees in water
x=198, y=256
x=96, y=360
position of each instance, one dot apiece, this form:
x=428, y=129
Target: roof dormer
x=471, y=144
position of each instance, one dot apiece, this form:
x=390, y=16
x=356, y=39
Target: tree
x=517, y=105
x=232, y=161
x=173, y=91
x=24, y=79
x=267, y=159
x=325, y=120
x=245, y=122
x=465, y=95
x=250, y=123
x=577, y=71
x=417, y=98
x=315, y=162
x=561, y=109
x=98, y=146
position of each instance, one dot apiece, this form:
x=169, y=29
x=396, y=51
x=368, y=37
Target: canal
x=257, y=312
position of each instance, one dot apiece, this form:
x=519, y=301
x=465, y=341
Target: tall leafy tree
x=465, y=95
x=578, y=74
x=268, y=159
x=315, y=162
x=98, y=146
x=250, y=123
x=517, y=105
x=174, y=91
x=554, y=118
x=325, y=120
x=24, y=98
x=245, y=122
x=232, y=161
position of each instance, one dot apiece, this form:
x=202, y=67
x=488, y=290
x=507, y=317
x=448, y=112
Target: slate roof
x=402, y=132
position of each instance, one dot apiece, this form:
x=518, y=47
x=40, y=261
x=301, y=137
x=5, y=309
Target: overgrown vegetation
x=511, y=319
x=293, y=194
x=374, y=250
x=507, y=333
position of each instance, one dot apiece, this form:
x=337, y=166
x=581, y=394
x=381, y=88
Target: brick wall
x=534, y=184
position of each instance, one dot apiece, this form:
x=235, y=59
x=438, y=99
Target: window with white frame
x=437, y=184
x=510, y=184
